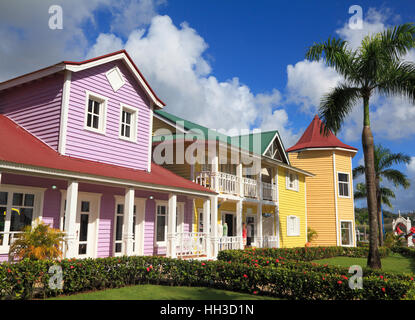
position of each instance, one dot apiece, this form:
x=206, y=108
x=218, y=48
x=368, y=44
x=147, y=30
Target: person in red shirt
x=244, y=233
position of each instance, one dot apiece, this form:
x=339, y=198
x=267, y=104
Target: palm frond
x=358, y=171
x=396, y=177
x=336, y=105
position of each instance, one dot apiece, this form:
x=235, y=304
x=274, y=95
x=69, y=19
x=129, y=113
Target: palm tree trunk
x=373, y=259
x=379, y=210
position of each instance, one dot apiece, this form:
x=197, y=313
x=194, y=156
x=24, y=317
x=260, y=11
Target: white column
x=70, y=219
x=171, y=226
x=277, y=226
x=259, y=226
x=240, y=179
x=207, y=226
x=215, y=169
x=239, y=223
x=259, y=183
x=214, y=223
x=128, y=222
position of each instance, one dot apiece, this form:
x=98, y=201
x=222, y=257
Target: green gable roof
x=245, y=142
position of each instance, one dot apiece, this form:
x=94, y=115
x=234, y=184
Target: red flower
x=255, y=292
x=8, y=270
x=324, y=278
x=245, y=276
x=203, y=264
x=412, y=279
x=339, y=282
x=148, y=269
x=381, y=277
x=72, y=267
x=383, y=289
x=151, y=267
x=267, y=262
x=277, y=261
x=345, y=278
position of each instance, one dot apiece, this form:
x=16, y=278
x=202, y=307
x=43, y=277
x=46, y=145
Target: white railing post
x=259, y=225
x=240, y=187
x=129, y=218
x=171, y=226
x=239, y=223
x=207, y=226
x=70, y=218
x=214, y=223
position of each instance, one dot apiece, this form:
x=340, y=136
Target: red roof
x=19, y=146
x=313, y=138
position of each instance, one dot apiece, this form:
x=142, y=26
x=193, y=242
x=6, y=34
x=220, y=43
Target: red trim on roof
x=113, y=54
x=313, y=138
x=19, y=146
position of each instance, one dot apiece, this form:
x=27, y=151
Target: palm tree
x=384, y=160
x=376, y=67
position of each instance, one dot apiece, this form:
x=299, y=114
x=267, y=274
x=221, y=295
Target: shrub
x=37, y=243
x=19, y=279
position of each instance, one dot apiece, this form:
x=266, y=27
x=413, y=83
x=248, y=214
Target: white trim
x=335, y=199
x=352, y=195
x=296, y=182
x=281, y=145
x=328, y=149
x=102, y=115
x=38, y=207
x=306, y=220
x=296, y=232
x=64, y=112
x=123, y=57
x=134, y=123
x=8, y=166
x=350, y=234
x=170, y=123
x=166, y=204
x=115, y=69
x=348, y=183
x=32, y=76
x=150, y=139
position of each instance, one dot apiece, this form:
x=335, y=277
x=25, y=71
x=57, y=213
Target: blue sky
x=229, y=65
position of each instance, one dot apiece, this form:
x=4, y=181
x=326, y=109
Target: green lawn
x=153, y=292
x=394, y=263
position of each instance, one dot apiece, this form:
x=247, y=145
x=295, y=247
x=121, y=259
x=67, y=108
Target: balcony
x=227, y=183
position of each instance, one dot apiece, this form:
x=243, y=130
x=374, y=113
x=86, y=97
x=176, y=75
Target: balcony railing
x=191, y=244
x=231, y=184
x=270, y=242
x=229, y=243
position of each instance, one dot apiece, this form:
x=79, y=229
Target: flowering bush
x=19, y=280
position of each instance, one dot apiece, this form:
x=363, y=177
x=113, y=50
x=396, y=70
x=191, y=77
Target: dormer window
x=95, y=112
x=292, y=181
x=128, y=123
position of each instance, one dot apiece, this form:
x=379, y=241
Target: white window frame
x=115, y=88
x=133, y=125
x=296, y=229
x=164, y=242
x=348, y=184
x=295, y=186
x=102, y=120
x=37, y=208
x=350, y=233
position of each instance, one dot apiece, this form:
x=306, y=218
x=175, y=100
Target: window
x=18, y=209
x=343, y=179
x=128, y=123
x=95, y=112
x=119, y=221
x=293, y=226
x=292, y=181
x=346, y=233
x=161, y=223
x=115, y=78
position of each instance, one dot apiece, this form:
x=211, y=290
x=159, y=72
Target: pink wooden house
x=75, y=151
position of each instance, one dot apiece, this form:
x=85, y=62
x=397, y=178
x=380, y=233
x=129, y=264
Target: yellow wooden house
x=269, y=197
x=330, y=203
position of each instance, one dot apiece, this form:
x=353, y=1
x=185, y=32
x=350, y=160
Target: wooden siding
x=291, y=203
x=345, y=208
x=321, y=207
x=36, y=107
x=108, y=147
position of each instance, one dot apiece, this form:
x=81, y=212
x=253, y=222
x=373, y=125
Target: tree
x=376, y=67
x=384, y=160
x=40, y=242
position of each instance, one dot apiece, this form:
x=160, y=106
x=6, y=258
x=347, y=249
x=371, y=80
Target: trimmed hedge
x=249, y=257
x=308, y=254
x=28, y=279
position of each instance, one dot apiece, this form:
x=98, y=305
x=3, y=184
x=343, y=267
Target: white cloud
x=171, y=58
x=308, y=81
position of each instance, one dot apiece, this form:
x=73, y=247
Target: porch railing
x=231, y=184
x=229, y=243
x=7, y=238
x=270, y=242
x=191, y=244
x=269, y=191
